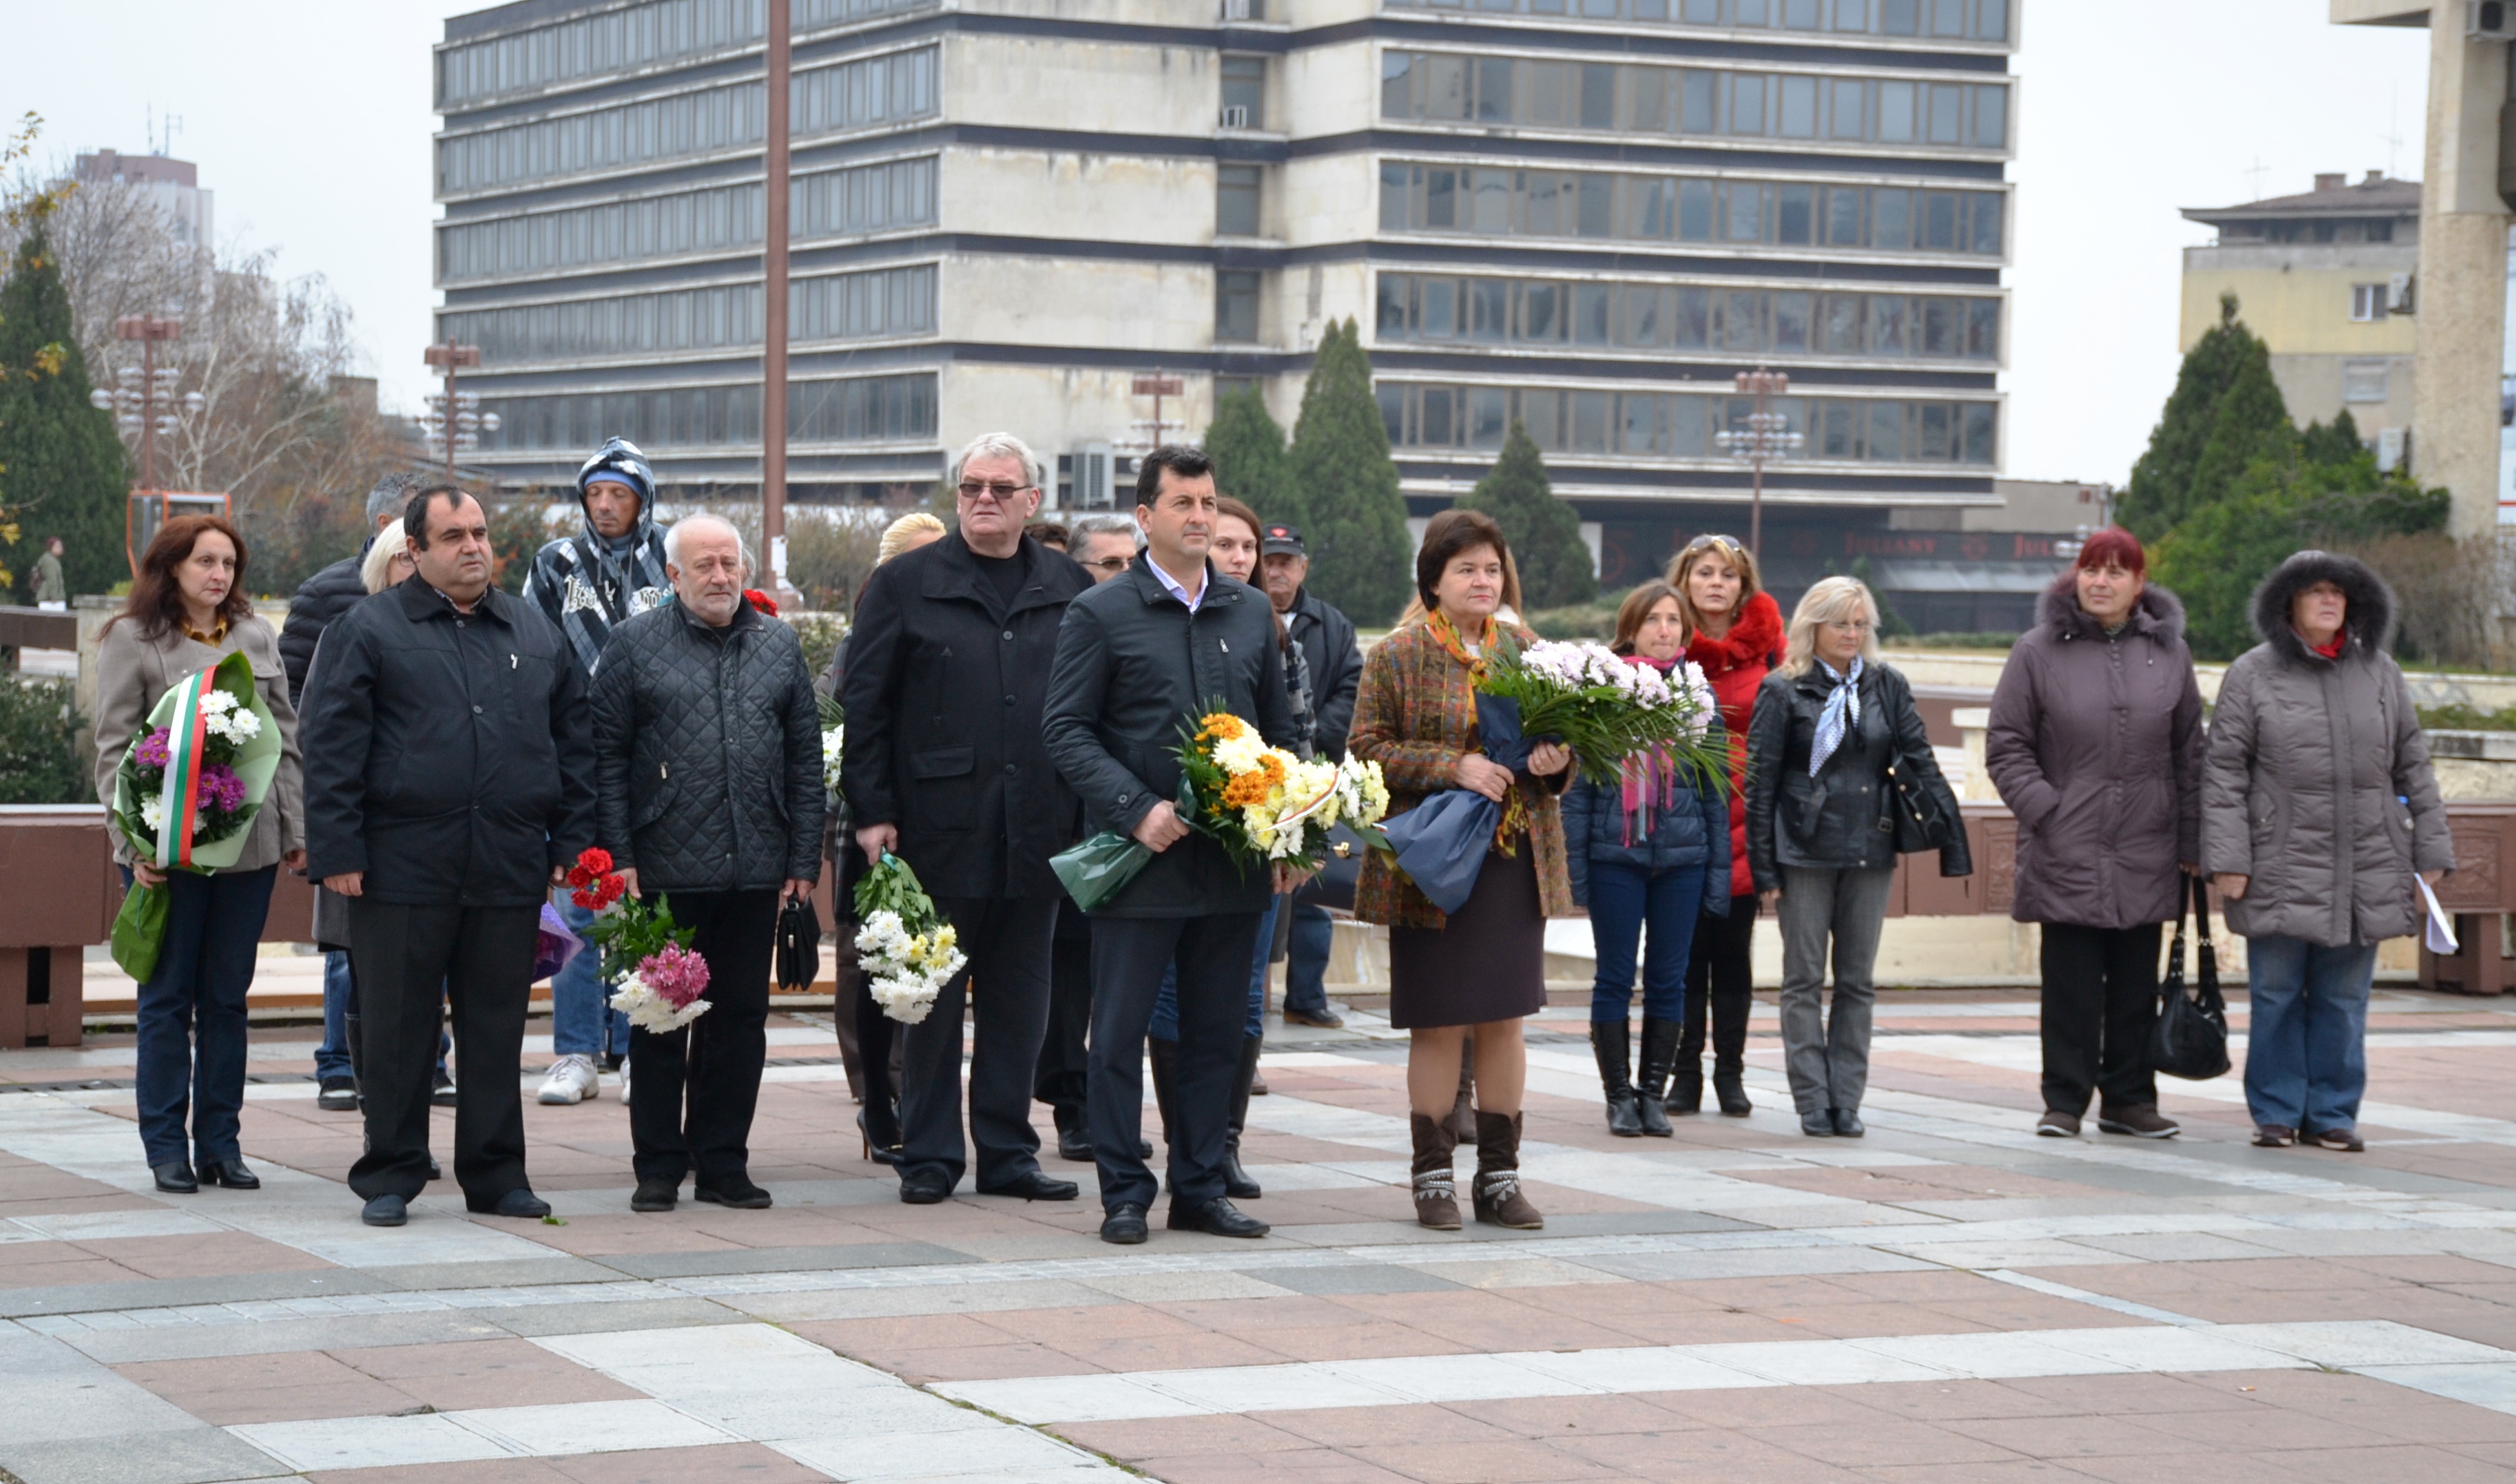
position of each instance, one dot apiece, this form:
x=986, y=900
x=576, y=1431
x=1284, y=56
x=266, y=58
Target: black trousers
x=1719, y=975
x=1006, y=990
x=1064, y=1070
x=2100, y=1001
x=1128, y=957
x=697, y=1087
x=409, y=961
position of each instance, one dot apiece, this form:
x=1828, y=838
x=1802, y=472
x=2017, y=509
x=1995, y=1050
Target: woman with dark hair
x=2095, y=745
x=2322, y=827
x=1735, y=636
x=188, y=611
x=1649, y=847
x=1484, y=967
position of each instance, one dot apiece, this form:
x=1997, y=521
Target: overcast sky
x=311, y=120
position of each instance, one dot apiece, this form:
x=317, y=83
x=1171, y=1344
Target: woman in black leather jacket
x=1841, y=777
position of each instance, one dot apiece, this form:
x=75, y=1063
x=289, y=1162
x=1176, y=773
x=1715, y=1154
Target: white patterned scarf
x=1842, y=710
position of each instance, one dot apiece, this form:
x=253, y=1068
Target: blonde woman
x=388, y=560
x=1834, y=735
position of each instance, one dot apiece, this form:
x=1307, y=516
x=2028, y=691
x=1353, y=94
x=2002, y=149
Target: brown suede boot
x=1437, y=1201
x=1498, y=1200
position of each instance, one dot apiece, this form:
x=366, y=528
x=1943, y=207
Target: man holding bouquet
x=1167, y=642
x=448, y=783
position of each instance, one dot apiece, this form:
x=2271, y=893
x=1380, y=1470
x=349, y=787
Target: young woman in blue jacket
x=1648, y=849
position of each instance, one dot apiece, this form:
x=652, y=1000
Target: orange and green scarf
x=1515, y=808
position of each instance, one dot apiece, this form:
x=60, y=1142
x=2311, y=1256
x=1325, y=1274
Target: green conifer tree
x=2163, y=486
x=1248, y=447
x=1544, y=533
x=1353, y=518
x=61, y=466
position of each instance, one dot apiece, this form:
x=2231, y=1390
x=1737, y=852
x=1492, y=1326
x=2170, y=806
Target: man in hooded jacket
x=589, y=585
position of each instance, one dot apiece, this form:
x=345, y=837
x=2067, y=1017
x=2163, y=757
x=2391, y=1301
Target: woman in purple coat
x=2095, y=745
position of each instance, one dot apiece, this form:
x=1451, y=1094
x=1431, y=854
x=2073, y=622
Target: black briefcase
x=799, y=945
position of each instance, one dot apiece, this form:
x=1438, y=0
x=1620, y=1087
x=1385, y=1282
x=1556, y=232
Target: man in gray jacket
x=707, y=764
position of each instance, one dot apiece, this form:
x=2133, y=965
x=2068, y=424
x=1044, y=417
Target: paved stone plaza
x=1949, y=1301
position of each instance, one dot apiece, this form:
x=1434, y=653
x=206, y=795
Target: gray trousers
x=1829, y=1056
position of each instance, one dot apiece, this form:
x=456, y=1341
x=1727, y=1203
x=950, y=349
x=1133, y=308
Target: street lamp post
x=142, y=388
x=453, y=419
x=1767, y=436
x=773, y=284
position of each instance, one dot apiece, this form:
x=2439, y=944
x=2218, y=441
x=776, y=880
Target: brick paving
x=1949, y=1301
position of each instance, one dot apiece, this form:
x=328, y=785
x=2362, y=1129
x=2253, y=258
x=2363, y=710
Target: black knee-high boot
x=1612, y=1043
x=1236, y=1183
x=1659, y=1055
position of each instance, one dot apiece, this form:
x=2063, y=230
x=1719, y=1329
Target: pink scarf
x=1648, y=779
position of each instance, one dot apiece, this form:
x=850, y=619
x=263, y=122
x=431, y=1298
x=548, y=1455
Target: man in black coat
x=448, y=784
x=948, y=674
x=1335, y=662
x=1137, y=657
x=707, y=763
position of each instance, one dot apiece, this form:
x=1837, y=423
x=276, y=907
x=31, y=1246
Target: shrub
x=42, y=759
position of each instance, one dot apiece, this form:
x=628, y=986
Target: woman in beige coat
x=187, y=612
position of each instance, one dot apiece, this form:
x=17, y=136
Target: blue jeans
x=1624, y=903
x=1306, y=966
x=583, y=1022
x=1165, y=1023
x=192, y=1014
x=332, y=1058
x=2306, y=1046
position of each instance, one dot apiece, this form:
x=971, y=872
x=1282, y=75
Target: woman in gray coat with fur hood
x=2320, y=819
x=2095, y=744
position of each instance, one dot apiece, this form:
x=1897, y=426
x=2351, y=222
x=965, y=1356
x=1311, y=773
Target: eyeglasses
x=1850, y=625
x=971, y=489
x=1110, y=564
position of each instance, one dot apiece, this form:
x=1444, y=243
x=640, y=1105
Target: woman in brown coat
x=2095, y=745
x=1482, y=968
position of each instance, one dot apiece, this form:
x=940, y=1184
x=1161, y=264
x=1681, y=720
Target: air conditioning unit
x=2488, y=21
x=1245, y=10
x=1092, y=469
x=1237, y=116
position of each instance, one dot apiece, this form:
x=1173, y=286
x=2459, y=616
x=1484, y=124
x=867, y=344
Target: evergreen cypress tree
x=61, y=462
x=1544, y=533
x=2338, y=444
x=2165, y=486
x=2250, y=422
x=1353, y=518
x=1249, y=457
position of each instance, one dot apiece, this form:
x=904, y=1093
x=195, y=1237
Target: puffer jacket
x=2095, y=745
x=1676, y=823
x=2317, y=787
x=1737, y=664
x=320, y=600
x=707, y=753
x=1838, y=821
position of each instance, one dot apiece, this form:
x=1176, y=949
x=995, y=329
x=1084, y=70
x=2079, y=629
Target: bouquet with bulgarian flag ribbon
x=644, y=950
x=193, y=777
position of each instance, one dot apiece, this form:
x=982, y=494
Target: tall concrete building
x=1585, y=216
x=2313, y=275
x=173, y=186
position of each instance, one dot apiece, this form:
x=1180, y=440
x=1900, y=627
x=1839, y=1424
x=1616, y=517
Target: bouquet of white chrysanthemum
x=1605, y=708
x=834, y=744
x=907, y=951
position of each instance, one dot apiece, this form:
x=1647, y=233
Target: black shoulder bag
x=1921, y=824
x=2190, y=1037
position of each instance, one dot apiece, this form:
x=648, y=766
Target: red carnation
x=595, y=859
x=761, y=601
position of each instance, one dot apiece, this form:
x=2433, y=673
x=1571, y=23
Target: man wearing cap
x=1325, y=637
x=589, y=585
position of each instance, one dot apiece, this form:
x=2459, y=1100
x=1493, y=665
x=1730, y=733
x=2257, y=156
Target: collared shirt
x=1176, y=590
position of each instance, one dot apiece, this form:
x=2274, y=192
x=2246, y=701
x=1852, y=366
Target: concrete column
x=2462, y=277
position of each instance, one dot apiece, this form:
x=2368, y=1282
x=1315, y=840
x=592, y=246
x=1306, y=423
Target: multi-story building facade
x=1585, y=216
x=2312, y=275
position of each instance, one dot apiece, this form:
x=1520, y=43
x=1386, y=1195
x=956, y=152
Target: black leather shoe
x=340, y=1095
x=923, y=1187
x=1124, y=1224
x=1072, y=1145
x=1847, y=1123
x=386, y=1211
x=520, y=1203
x=231, y=1173
x=1144, y=1148
x=883, y=1149
x=175, y=1178
x=434, y=1171
x=738, y=1193
x=1217, y=1218
x=657, y=1194
x=1033, y=1186
x=1817, y=1125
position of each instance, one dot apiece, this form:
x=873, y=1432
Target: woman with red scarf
x=1734, y=635
x=1649, y=848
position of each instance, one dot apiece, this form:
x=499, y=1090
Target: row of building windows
x=885, y=301
x=852, y=95
x=1650, y=316
x=1445, y=87
x=1684, y=425
x=1497, y=202
x=1950, y=20
x=864, y=198
x=869, y=409
x=625, y=39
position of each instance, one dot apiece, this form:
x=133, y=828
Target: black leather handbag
x=2189, y=1039
x=1920, y=822
x=799, y=945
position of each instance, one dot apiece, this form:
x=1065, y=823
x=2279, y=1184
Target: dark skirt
x=1489, y=963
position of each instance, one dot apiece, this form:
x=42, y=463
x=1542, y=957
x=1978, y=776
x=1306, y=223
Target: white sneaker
x=572, y=1079
x=624, y=1083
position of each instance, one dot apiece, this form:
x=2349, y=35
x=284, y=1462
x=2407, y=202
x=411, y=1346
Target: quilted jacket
x=707, y=753
x=1416, y=715
x=2317, y=786
x=320, y=600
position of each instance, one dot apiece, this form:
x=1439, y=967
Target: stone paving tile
x=477, y=1472
x=738, y=1463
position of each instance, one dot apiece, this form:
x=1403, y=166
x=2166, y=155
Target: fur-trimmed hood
x=2368, y=622
x=2158, y=615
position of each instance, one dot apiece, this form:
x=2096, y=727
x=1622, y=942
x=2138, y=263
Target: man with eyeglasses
x=946, y=681
x=1105, y=545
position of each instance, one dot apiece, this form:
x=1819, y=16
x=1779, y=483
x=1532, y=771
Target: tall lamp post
x=1767, y=436
x=773, y=325
x=453, y=420
x=144, y=388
